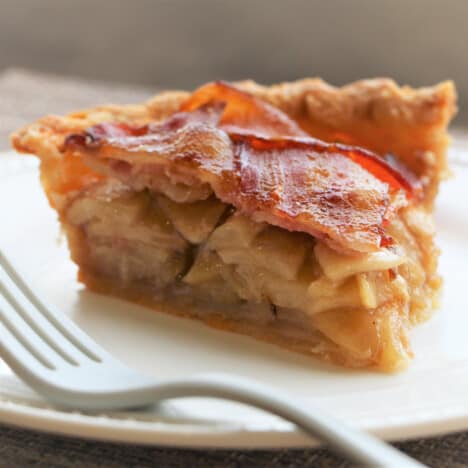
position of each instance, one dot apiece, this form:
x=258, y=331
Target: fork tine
x=19, y=358
x=60, y=322
x=35, y=320
x=20, y=333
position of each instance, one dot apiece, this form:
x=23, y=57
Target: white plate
x=431, y=397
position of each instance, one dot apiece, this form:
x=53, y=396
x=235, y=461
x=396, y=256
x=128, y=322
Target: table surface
x=27, y=95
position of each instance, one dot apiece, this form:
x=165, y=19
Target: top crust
x=376, y=114
x=380, y=100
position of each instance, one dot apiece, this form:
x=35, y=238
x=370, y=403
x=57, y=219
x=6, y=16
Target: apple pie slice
x=299, y=214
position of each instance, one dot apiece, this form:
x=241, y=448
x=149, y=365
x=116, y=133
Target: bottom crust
x=393, y=357
x=314, y=344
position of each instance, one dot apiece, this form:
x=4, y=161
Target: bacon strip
x=256, y=158
x=243, y=111
x=209, y=114
x=297, y=183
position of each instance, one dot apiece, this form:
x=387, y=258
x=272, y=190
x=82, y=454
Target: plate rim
x=230, y=436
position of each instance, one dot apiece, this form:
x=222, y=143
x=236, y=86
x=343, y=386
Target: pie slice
x=299, y=214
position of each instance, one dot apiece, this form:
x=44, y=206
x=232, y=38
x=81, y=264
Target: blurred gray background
x=182, y=43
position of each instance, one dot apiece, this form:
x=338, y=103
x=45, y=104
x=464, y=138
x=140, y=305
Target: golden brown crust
x=380, y=100
x=376, y=114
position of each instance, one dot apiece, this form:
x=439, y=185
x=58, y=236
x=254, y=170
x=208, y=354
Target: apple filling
x=212, y=262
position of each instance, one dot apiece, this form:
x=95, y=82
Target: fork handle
x=360, y=447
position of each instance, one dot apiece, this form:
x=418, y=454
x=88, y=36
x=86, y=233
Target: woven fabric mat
x=25, y=96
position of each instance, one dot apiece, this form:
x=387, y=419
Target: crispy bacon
x=374, y=164
x=257, y=159
x=243, y=111
x=307, y=185
x=209, y=114
x=334, y=192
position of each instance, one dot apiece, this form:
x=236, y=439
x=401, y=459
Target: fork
x=64, y=365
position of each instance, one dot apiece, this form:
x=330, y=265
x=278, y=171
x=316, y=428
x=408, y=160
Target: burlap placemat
x=25, y=96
